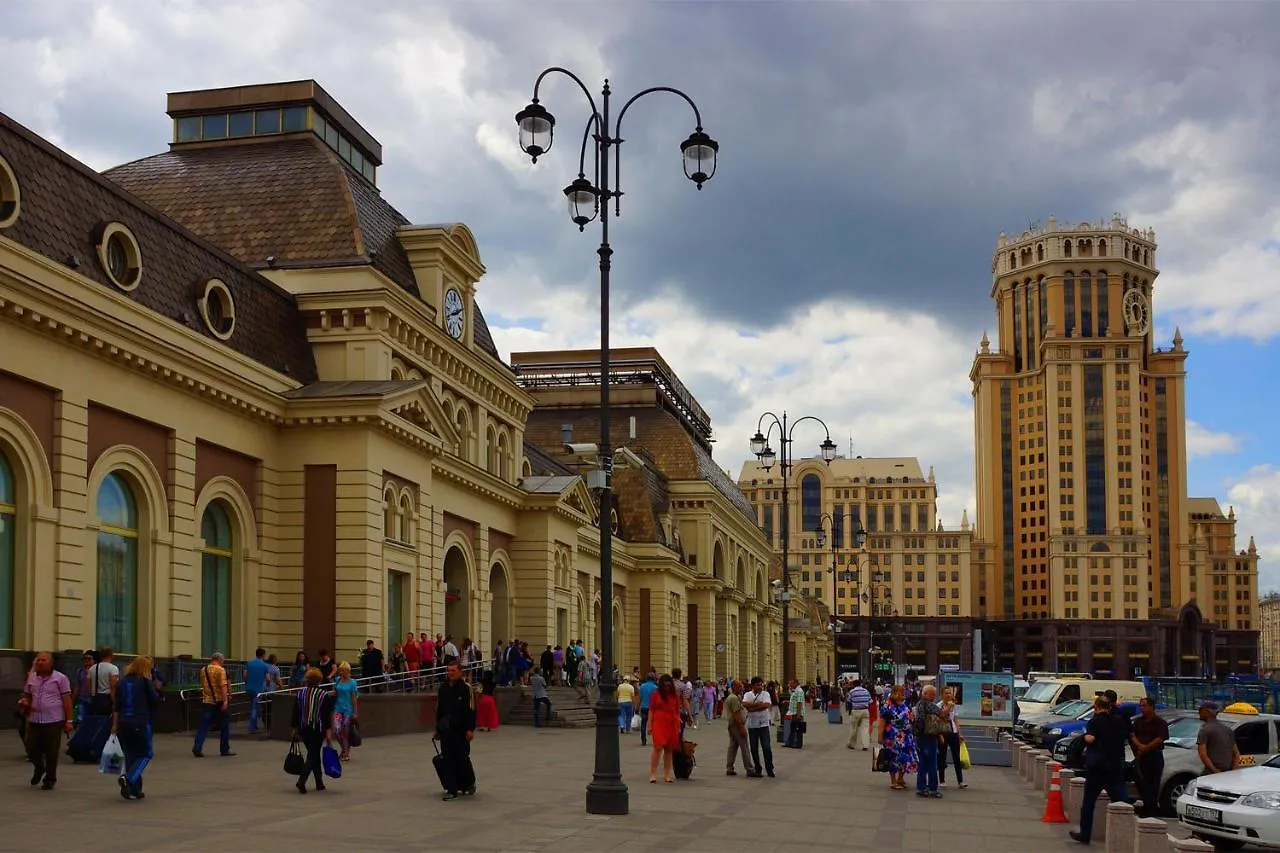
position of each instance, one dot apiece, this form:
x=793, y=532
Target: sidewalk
x=530, y=798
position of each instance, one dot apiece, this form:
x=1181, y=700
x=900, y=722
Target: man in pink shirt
x=46, y=704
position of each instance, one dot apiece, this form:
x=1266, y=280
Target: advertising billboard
x=983, y=698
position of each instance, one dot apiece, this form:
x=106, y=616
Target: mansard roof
x=65, y=208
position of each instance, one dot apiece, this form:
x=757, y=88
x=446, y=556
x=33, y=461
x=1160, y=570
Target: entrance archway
x=457, y=594
x=499, y=605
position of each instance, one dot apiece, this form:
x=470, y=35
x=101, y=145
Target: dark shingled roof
x=64, y=206
x=291, y=198
x=330, y=389
x=543, y=464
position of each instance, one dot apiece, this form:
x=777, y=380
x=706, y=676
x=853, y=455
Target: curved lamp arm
x=617, y=136
x=556, y=69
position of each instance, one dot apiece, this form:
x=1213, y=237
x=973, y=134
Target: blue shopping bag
x=330, y=762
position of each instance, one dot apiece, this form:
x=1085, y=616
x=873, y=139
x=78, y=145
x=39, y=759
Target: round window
x=217, y=309
x=9, y=195
x=120, y=256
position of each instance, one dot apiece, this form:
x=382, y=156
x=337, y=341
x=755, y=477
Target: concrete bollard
x=1100, y=817
x=1042, y=772
x=1028, y=761
x=1075, y=799
x=1121, y=828
x=1019, y=758
x=1152, y=836
x=1189, y=845
x=1066, y=776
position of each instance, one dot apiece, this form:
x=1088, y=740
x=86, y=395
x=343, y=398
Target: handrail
x=386, y=678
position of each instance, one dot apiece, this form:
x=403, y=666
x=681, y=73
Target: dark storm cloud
x=872, y=150
x=878, y=150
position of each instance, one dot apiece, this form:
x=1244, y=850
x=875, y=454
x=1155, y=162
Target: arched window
x=8, y=552
x=491, y=451
x=389, y=526
x=1102, y=248
x=117, y=597
x=1066, y=248
x=1040, y=252
x=810, y=502
x=406, y=519
x=503, y=465
x=215, y=580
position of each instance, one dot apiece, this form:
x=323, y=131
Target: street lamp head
x=822, y=538
x=859, y=537
x=758, y=443
x=699, y=152
x=537, y=130
x=828, y=448
x=582, y=197
x=767, y=457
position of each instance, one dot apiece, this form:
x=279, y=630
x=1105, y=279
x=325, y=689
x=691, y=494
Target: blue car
x=1047, y=735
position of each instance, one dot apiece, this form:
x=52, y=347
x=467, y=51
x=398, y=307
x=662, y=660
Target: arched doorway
x=580, y=620
x=619, y=636
x=595, y=632
x=8, y=550
x=499, y=605
x=457, y=594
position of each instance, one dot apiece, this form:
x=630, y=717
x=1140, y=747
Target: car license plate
x=1202, y=813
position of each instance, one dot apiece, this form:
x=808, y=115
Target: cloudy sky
x=839, y=262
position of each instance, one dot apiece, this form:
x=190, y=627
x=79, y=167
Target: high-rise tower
x=1081, y=460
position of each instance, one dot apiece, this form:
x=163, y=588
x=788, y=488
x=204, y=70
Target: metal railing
x=238, y=707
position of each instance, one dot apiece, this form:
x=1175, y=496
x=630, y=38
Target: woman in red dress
x=664, y=727
x=486, y=707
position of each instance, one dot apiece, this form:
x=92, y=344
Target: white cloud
x=1256, y=498
x=893, y=380
x=1202, y=441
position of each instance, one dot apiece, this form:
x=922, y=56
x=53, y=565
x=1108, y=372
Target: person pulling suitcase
x=455, y=728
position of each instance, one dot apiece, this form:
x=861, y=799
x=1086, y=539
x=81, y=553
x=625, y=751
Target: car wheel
x=1170, y=795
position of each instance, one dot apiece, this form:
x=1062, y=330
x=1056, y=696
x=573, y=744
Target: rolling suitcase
x=682, y=761
x=834, y=713
x=86, y=743
x=442, y=772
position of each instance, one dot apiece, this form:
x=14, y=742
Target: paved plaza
x=530, y=798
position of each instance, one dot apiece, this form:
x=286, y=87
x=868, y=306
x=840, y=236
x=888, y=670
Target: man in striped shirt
x=859, y=716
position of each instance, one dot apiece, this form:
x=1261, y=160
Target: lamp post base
x=607, y=793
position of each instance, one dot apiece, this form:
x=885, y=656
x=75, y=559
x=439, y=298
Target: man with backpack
x=929, y=727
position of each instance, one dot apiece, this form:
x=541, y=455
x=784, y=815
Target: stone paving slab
x=531, y=798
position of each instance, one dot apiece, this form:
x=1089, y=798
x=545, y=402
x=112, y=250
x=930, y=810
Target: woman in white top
x=950, y=741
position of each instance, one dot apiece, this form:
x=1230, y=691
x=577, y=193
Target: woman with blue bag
x=312, y=723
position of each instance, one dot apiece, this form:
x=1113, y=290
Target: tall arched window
x=810, y=502
x=117, y=598
x=215, y=580
x=406, y=518
x=8, y=552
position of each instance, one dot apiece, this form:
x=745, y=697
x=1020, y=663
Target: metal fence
x=1188, y=693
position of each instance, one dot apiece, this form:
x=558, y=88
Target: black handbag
x=295, y=763
x=884, y=761
x=353, y=733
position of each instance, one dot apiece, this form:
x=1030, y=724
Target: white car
x=1232, y=809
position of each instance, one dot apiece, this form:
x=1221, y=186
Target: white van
x=1047, y=692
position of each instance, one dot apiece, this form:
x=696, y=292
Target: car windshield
x=1041, y=691
x=1183, y=732
x=1273, y=761
x=1072, y=708
x=1086, y=716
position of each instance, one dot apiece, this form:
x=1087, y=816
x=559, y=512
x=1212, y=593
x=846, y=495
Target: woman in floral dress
x=898, y=738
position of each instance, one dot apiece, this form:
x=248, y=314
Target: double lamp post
x=764, y=452
x=866, y=588
x=589, y=196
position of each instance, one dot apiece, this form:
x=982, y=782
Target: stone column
x=1064, y=777
x=1189, y=845
x=1100, y=818
x=1074, y=799
x=1024, y=758
x=1152, y=836
x=1041, y=779
x=1121, y=828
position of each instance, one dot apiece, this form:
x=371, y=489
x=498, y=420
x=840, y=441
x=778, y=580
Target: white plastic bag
x=112, y=761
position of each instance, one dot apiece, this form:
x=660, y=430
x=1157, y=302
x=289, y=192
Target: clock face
x=454, y=313
x=1137, y=312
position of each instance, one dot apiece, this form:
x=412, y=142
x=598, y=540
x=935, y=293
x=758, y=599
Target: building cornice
x=478, y=481
x=69, y=308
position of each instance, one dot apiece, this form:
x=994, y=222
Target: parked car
x=1257, y=738
x=1235, y=808
x=1069, y=753
x=1046, y=734
x=1025, y=726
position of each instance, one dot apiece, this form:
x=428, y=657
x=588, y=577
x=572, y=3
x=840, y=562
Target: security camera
x=625, y=457
x=581, y=449
x=775, y=583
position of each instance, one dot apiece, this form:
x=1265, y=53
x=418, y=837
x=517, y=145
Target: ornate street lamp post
x=765, y=453
x=587, y=199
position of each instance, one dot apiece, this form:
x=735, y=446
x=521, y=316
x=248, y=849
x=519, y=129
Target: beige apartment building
x=906, y=591
x=1269, y=631
x=1088, y=553
x=244, y=401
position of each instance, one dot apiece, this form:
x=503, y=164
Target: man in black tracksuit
x=1104, y=763
x=455, y=727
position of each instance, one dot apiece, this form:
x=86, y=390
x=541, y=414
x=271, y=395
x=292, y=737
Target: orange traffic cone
x=1053, y=811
